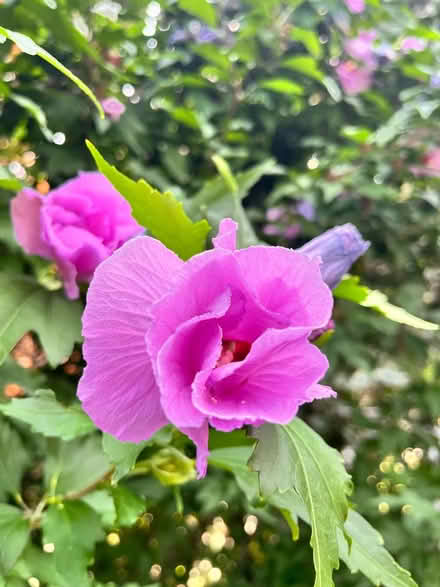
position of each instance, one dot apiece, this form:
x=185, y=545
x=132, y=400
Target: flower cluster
x=219, y=340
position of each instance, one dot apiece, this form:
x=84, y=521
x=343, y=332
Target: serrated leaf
x=200, y=9
x=161, y=214
x=73, y=466
x=49, y=417
x=13, y=458
x=73, y=528
x=314, y=470
x=25, y=305
x=283, y=86
x=129, y=506
x=367, y=554
x=350, y=289
x=27, y=45
x=14, y=534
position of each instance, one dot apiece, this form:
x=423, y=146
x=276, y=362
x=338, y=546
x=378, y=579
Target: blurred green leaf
x=309, y=39
x=307, y=464
x=25, y=306
x=306, y=65
x=14, y=534
x=8, y=181
x=160, y=213
x=283, y=86
x=200, y=9
x=350, y=289
x=49, y=417
x=27, y=45
x=122, y=454
x=13, y=457
x=36, y=112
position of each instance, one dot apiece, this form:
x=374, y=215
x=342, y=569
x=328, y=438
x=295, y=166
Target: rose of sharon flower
x=353, y=79
x=431, y=165
x=412, y=44
x=77, y=225
x=113, y=107
x=355, y=6
x=221, y=339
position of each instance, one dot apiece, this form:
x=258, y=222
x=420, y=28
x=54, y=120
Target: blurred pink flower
x=355, y=6
x=354, y=79
x=113, y=107
x=361, y=48
x=412, y=44
x=431, y=165
x=77, y=225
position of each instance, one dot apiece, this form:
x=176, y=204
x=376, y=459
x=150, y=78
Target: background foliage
x=252, y=83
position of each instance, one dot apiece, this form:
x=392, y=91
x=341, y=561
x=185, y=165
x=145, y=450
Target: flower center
x=233, y=350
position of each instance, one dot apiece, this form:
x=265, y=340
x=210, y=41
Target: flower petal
x=118, y=389
x=287, y=283
x=270, y=383
x=227, y=235
x=200, y=438
x=25, y=212
x=196, y=346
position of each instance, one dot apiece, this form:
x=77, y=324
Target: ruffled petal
x=196, y=346
x=118, y=388
x=26, y=218
x=270, y=383
x=287, y=283
x=227, y=235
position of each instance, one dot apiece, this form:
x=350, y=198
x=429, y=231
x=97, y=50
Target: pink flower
x=220, y=340
x=361, y=48
x=355, y=6
x=431, y=165
x=412, y=44
x=353, y=79
x=113, y=107
x=77, y=225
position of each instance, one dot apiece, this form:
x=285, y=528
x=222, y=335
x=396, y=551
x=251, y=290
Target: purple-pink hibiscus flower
x=221, y=339
x=77, y=225
x=362, y=49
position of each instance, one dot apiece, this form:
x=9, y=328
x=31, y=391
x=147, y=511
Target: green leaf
x=200, y=9
x=309, y=39
x=307, y=464
x=160, y=213
x=49, y=417
x=103, y=503
x=36, y=112
x=129, y=506
x=24, y=306
x=13, y=458
x=216, y=200
x=27, y=45
x=122, y=454
x=9, y=182
x=72, y=467
x=225, y=171
x=14, y=534
x=283, y=86
x=368, y=555
x=350, y=289
x=73, y=528
x=358, y=134
x=35, y=562
x=306, y=65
